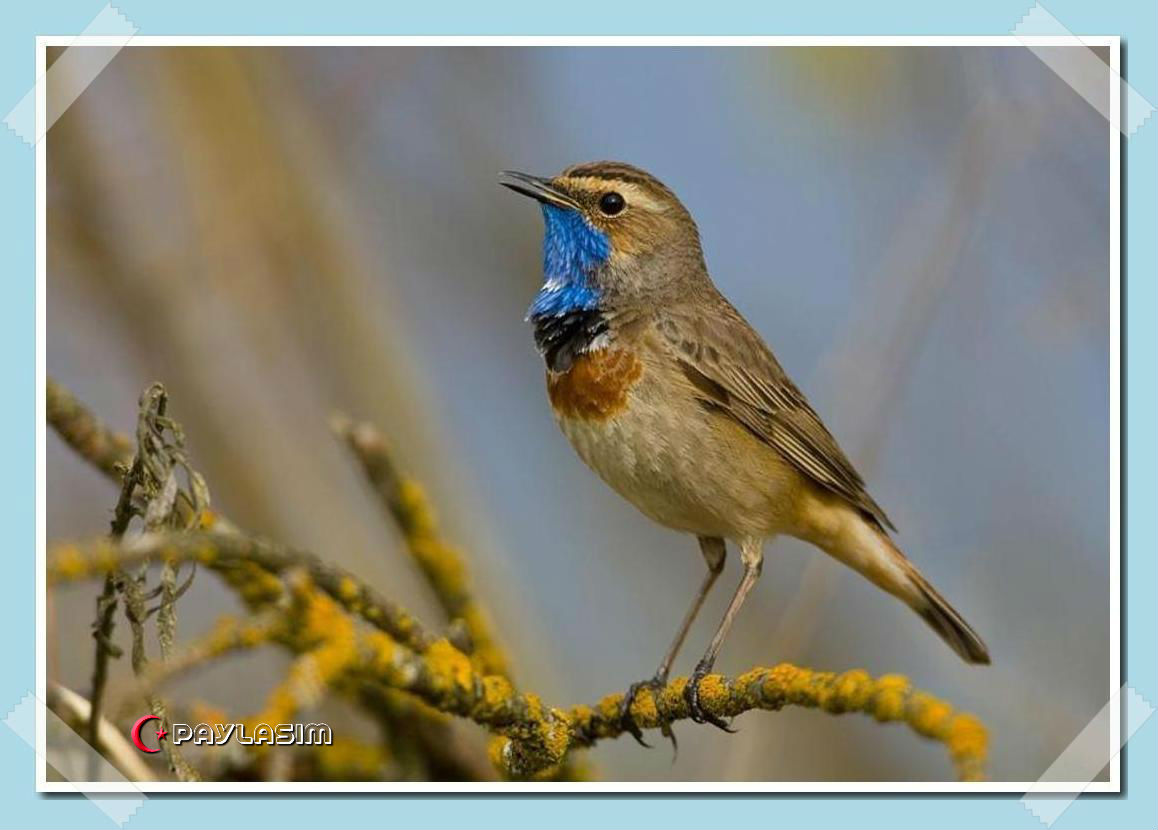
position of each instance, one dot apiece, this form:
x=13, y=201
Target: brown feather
x=735, y=373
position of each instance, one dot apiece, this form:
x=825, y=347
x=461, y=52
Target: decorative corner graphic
x=1085, y=72
x=1087, y=755
x=69, y=755
x=72, y=73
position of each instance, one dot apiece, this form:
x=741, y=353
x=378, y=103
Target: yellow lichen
x=496, y=690
x=449, y=665
x=498, y=749
x=854, y=688
x=413, y=502
x=381, y=649
x=968, y=744
x=714, y=692
x=67, y=565
x=644, y=707
x=348, y=589
x=929, y=714
x=888, y=699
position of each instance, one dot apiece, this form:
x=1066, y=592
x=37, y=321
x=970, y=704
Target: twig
x=105, y=449
x=441, y=563
x=220, y=551
x=105, y=649
x=105, y=622
x=137, y=613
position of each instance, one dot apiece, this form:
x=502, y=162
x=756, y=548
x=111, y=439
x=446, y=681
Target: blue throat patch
x=572, y=249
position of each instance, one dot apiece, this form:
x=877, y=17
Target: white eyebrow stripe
x=640, y=198
x=634, y=194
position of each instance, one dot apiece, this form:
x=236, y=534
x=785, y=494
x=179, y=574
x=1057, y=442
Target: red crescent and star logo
x=135, y=733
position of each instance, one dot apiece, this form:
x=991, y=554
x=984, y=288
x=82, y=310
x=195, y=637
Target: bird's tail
x=867, y=549
x=944, y=619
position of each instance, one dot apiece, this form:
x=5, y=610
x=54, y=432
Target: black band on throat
x=562, y=337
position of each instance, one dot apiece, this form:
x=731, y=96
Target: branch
x=106, y=450
x=231, y=552
x=535, y=738
x=112, y=454
x=108, y=599
x=134, y=593
x=409, y=721
x=315, y=610
x=889, y=698
x=441, y=563
x=102, y=632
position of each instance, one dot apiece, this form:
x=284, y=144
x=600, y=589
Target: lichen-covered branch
x=421, y=736
x=535, y=738
x=233, y=552
x=889, y=698
x=440, y=562
x=350, y=640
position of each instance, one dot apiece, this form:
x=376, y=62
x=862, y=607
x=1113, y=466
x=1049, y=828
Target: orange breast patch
x=596, y=385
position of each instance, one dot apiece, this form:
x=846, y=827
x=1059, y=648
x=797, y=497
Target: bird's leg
x=712, y=547
x=752, y=554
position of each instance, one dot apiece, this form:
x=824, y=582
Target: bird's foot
x=655, y=685
x=692, y=696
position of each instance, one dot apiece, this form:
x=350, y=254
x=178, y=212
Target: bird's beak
x=537, y=188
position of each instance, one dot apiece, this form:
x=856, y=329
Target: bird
x=676, y=402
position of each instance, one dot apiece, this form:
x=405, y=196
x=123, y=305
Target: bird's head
x=615, y=236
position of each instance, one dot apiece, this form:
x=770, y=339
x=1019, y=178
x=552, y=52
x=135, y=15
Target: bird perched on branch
x=667, y=392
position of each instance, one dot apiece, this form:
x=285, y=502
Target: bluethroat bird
x=668, y=393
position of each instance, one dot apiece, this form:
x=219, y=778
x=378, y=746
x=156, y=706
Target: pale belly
x=686, y=468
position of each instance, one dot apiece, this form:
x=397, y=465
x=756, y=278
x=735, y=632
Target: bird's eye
x=611, y=204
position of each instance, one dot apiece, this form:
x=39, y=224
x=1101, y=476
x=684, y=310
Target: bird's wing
x=734, y=373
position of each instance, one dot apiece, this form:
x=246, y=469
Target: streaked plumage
x=675, y=401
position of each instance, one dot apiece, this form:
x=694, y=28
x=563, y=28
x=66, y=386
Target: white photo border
x=1112, y=42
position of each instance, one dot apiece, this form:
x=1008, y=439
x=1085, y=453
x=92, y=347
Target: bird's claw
x=627, y=720
x=692, y=697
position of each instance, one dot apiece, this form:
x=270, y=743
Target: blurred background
x=921, y=234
